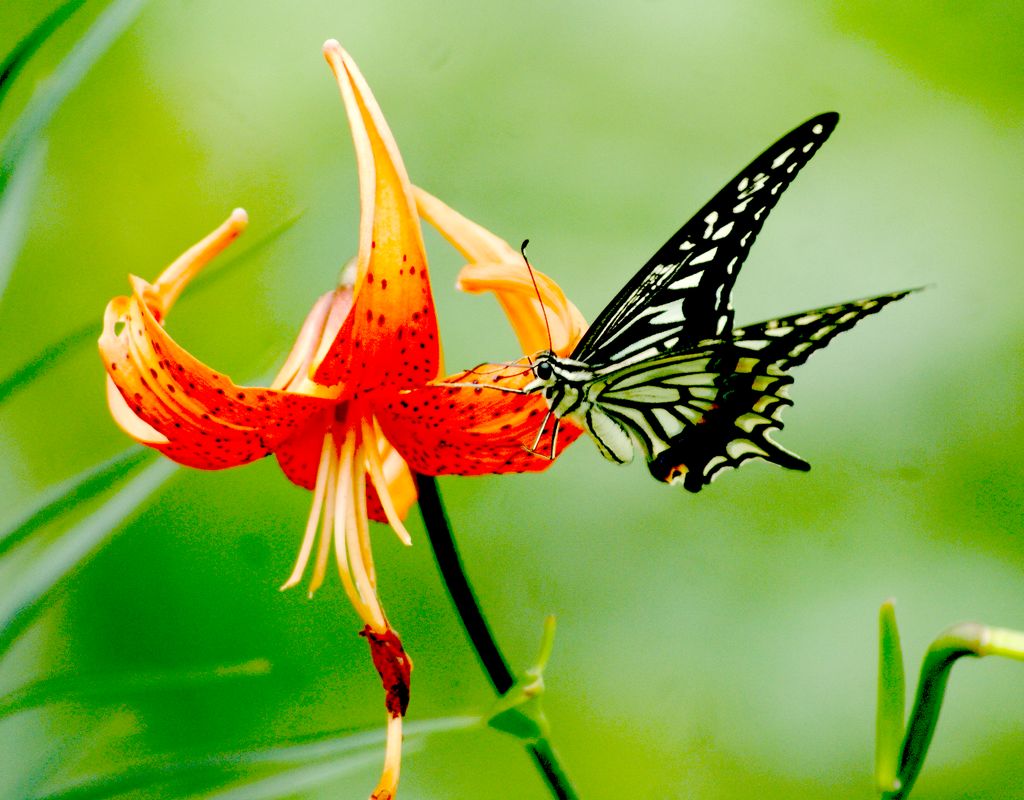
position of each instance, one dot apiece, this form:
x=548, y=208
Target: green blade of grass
x=966, y=639
x=66, y=495
x=222, y=769
x=26, y=48
x=52, y=354
x=45, y=102
x=297, y=780
x=22, y=600
x=115, y=687
x=891, y=701
x=15, y=203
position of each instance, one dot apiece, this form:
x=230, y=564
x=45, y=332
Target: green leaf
x=43, y=360
x=966, y=639
x=45, y=102
x=309, y=763
x=114, y=687
x=891, y=701
x=15, y=203
x=26, y=48
x=21, y=600
x=66, y=495
x=519, y=711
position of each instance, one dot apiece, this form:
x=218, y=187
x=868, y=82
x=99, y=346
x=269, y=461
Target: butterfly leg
x=554, y=440
x=532, y=449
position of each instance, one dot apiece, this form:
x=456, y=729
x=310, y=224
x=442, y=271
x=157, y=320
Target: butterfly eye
x=543, y=370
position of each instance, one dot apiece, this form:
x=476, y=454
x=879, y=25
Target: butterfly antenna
x=536, y=288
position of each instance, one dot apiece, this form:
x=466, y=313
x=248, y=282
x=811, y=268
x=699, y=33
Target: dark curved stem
x=442, y=542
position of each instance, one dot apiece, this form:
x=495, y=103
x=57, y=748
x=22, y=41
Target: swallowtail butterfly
x=664, y=369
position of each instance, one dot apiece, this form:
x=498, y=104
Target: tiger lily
x=359, y=399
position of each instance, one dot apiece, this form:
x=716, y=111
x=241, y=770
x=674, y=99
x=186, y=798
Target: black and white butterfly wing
x=750, y=399
x=698, y=399
x=789, y=341
x=682, y=295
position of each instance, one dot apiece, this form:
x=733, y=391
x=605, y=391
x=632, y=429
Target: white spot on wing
x=689, y=282
x=817, y=128
x=748, y=422
x=743, y=447
x=705, y=257
x=724, y=231
x=710, y=219
x=670, y=422
x=781, y=158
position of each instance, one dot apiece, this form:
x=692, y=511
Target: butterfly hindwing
x=682, y=294
x=749, y=406
x=691, y=413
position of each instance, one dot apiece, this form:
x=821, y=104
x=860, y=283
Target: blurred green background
x=711, y=646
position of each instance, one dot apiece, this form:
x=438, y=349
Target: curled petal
x=446, y=429
x=495, y=266
x=390, y=337
x=161, y=295
x=200, y=417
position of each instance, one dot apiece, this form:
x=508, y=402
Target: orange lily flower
x=358, y=401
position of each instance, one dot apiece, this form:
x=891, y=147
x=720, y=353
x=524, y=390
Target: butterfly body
x=663, y=370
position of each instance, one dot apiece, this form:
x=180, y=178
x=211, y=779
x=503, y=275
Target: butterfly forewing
x=682, y=295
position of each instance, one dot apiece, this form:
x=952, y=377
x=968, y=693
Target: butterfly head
x=544, y=372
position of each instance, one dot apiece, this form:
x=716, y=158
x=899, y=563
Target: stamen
x=175, y=278
x=341, y=509
x=327, y=526
x=392, y=762
x=376, y=469
x=314, y=516
x=360, y=558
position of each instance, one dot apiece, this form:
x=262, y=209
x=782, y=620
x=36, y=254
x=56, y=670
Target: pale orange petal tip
x=332, y=49
x=238, y=220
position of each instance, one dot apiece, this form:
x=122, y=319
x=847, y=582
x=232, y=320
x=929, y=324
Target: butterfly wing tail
x=738, y=428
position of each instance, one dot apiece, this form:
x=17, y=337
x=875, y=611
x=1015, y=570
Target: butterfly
x=663, y=369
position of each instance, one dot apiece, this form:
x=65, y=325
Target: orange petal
x=207, y=420
x=390, y=338
x=442, y=429
x=495, y=266
x=173, y=280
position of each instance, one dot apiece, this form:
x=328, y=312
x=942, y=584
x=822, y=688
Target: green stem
x=967, y=639
x=442, y=542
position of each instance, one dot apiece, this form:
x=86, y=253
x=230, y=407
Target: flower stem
x=966, y=639
x=442, y=542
